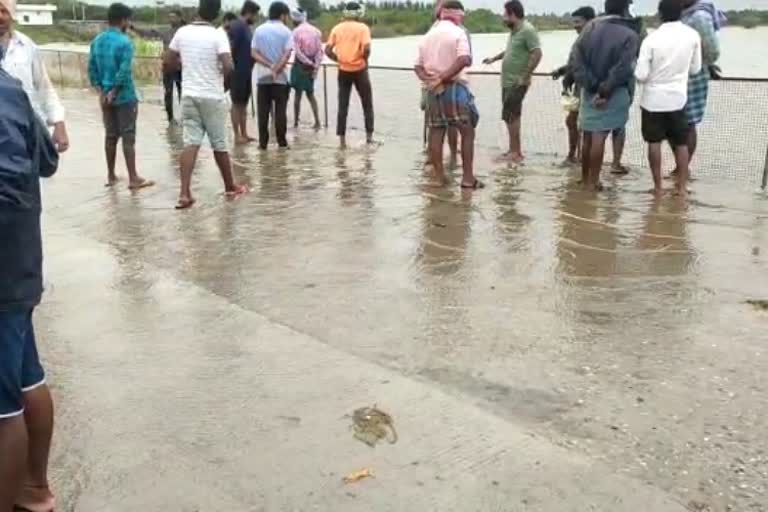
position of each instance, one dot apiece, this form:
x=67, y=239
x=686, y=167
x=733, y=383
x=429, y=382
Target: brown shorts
x=120, y=121
x=512, y=102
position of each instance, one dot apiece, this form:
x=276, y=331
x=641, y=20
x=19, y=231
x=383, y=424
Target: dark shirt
x=604, y=56
x=26, y=154
x=240, y=36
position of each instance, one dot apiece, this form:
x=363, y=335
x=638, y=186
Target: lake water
x=742, y=54
x=742, y=50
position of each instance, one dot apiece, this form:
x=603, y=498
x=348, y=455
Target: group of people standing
x=205, y=63
x=613, y=53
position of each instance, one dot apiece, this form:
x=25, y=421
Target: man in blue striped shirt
x=110, y=71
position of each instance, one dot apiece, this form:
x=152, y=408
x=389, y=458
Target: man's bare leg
x=225, y=169
x=110, y=150
x=187, y=165
x=453, y=145
x=618, y=139
x=515, y=149
x=597, y=152
x=235, y=117
x=129, y=153
x=436, y=138
x=586, y=152
x=38, y=416
x=693, y=142
x=681, y=163
x=468, y=179
x=296, y=107
x=315, y=111
x=13, y=447
x=571, y=123
x=654, y=160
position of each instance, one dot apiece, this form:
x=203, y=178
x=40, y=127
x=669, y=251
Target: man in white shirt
x=22, y=60
x=205, y=58
x=667, y=57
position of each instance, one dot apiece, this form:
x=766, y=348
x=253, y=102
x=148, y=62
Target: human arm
x=124, y=70
x=696, y=59
x=643, y=68
x=491, y=60
x=622, y=71
x=533, y=45
x=93, y=70
x=42, y=150
x=710, y=46
x=367, y=44
x=330, y=45
x=50, y=102
x=560, y=72
x=286, y=56
x=224, y=53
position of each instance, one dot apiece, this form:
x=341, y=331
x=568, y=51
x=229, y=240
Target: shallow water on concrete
x=613, y=326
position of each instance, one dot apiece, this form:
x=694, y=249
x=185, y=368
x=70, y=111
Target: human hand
x=600, y=102
x=488, y=60
x=524, y=80
x=109, y=97
x=60, y=137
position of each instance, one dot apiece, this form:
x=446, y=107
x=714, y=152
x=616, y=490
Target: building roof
x=36, y=7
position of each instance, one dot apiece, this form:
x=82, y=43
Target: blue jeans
x=20, y=368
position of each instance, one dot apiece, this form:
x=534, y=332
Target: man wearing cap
x=350, y=45
x=308, y=48
x=23, y=61
x=26, y=408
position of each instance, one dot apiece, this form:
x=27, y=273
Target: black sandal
x=474, y=186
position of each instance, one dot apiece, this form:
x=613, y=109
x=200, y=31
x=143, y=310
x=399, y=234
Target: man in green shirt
x=520, y=59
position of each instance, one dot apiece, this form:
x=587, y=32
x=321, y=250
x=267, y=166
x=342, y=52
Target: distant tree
x=311, y=7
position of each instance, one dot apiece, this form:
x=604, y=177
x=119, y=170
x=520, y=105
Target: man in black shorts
x=240, y=35
x=667, y=57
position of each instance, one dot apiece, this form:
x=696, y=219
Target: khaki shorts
x=205, y=116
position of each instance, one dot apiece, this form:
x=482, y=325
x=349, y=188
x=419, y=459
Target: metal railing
x=733, y=139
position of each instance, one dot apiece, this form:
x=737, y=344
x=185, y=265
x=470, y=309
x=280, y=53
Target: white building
x=34, y=14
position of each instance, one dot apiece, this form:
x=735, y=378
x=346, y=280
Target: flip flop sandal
x=183, y=204
x=474, y=186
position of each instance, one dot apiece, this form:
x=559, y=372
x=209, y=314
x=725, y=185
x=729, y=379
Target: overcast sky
x=533, y=6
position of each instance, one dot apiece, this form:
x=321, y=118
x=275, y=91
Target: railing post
x=325, y=93
x=765, y=170
x=61, y=72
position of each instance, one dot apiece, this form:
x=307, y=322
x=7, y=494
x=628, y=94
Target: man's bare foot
x=569, y=162
x=238, y=191
x=593, y=187
x=139, y=183
x=242, y=140
x=318, y=127
x=619, y=169
x=111, y=181
x=184, y=202
x=453, y=162
x=36, y=499
x=681, y=192
x=516, y=158
x=657, y=192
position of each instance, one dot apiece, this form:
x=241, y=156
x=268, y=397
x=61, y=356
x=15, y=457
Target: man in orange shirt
x=350, y=45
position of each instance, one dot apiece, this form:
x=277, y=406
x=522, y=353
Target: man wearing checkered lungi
x=701, y=16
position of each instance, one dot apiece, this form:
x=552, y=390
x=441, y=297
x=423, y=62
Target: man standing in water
x=704, y=19
x=26, y=408
x=444, y=55
x=580, y=18
x=350, y=45
x=308, y=48
x=202, y=52
x=521, y=58
x=603, y=64
x=171, y=79
x=110, y=71
x=667, y=57
x=271, y=49
x=240, y=35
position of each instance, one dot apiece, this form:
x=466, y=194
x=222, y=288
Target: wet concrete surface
x=539, y=348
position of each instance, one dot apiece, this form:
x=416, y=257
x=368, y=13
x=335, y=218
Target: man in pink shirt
x=444, y=55
x=308, y=50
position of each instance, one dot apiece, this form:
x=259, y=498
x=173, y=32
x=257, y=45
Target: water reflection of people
x=663, y=243
x=357, y=186
x=446, y=229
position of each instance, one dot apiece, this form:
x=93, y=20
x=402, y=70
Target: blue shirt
x=110, y=65
x=272, y=39
x=26, y=154
x=240, y=39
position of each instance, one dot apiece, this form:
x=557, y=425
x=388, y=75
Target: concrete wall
x=34, y=17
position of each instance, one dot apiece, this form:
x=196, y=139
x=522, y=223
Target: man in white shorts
x=205, y=57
